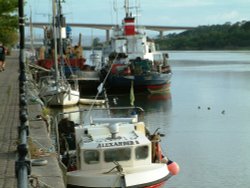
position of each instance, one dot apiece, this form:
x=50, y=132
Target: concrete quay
x=48, y=175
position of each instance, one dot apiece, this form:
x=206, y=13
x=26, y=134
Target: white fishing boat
x=56, y=90
x=112, y=152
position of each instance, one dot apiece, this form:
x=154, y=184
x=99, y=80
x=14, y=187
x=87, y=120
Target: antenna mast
x=126, y=6
x=54, y=6
x=31, y=32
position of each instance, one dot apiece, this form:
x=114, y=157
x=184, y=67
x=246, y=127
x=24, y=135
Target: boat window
x=158, y=57
x=141, y=152
x=91, y=156
x=121, y=154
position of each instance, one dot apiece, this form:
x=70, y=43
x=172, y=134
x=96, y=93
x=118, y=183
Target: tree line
x=215, y=37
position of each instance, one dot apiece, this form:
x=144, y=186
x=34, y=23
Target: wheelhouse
x=102, y=150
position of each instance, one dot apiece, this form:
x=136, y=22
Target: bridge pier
x=107, y=34
x=161, y=34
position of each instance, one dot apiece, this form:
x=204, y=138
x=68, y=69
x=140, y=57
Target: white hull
x=133, y=177
x=60, y=97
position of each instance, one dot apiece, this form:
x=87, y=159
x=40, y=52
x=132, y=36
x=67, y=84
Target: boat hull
x=154, y=176
x=149, y=185
x=61, y=98
x=88, y=81
x=150, y=82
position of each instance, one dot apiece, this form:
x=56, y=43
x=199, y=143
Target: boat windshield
x=141, y=152
x=158, y=57
x=118, y=154
x=91, y=156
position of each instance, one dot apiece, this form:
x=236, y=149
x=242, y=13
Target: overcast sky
x=151, y=12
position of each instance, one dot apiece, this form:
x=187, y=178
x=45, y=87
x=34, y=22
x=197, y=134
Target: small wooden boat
x=112, y=152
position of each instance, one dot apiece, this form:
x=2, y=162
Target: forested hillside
x=215, y=37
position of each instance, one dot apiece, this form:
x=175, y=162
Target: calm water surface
x=211, y=147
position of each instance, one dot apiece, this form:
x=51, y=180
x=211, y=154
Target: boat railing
x=136, y=113
x=111, y=111
x=114, y=120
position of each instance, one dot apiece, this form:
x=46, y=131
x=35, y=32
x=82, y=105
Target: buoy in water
x=173, y=167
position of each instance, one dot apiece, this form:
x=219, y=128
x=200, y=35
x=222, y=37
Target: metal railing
x=22, y=165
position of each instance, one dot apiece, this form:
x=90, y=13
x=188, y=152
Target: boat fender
x=127, y=71
x=173, y=167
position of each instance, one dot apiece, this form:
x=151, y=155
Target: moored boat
x=130, y=55
x=55, y=90
x=58, y=93
x=112, y=152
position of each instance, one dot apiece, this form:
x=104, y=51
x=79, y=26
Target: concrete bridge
x=108, y=27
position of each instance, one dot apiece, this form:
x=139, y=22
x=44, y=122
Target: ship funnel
x=129, y=26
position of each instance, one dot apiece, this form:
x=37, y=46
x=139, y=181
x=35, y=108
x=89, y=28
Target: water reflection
x=149, y=102
x=157, y=108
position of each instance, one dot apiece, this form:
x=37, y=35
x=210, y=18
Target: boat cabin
x=102, y=144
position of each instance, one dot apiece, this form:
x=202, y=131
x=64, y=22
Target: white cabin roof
x=100, y=136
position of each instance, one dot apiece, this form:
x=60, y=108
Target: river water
x=205, y=117
x=211, y=147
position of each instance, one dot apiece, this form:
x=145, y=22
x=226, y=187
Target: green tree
x=8, y=22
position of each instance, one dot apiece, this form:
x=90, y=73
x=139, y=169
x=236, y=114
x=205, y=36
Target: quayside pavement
x=48, y=175
x=9, y=121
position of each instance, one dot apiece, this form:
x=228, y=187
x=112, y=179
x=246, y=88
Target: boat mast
x=60, y=25
x=137, y=7
x=31, y=33
x=55, y=40
x=126, y=6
